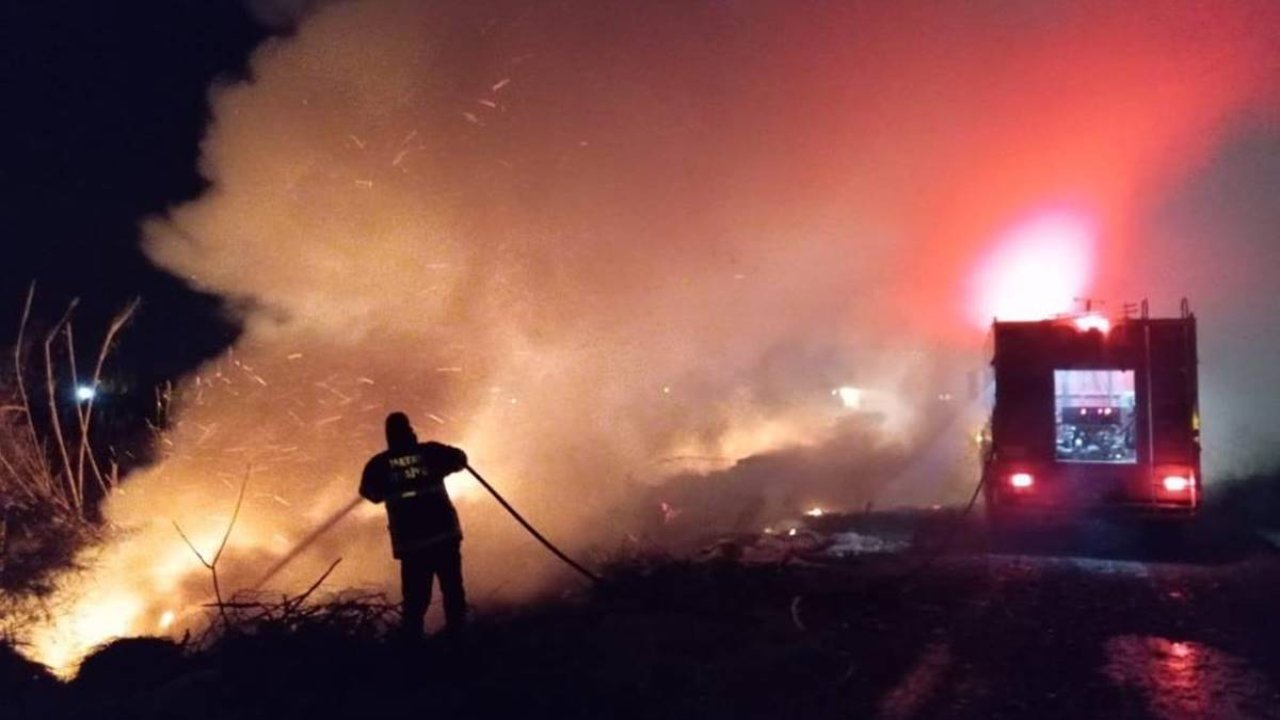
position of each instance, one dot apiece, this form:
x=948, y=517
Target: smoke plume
x=601, y=244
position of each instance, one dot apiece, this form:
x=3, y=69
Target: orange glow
x=523, y=286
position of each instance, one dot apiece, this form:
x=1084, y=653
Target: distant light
x=85, y=393
x=1093, y=322
x=814, y=512
x=850, y=397
x=1021, y=480
x=791, y=532
x=1176, y=483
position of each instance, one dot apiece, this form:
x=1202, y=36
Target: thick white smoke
x=524, y=230
x=594, y=242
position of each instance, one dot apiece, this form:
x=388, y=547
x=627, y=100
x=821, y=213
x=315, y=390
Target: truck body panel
x=1088, y=414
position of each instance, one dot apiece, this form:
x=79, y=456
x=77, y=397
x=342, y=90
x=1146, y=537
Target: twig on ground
x=295, y=602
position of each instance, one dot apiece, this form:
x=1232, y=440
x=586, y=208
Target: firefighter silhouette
x=425, y=534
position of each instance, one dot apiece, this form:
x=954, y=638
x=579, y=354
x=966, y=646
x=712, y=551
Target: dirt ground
x=1092, y=622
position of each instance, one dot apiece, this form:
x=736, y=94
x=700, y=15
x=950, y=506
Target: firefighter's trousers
x=441, y=560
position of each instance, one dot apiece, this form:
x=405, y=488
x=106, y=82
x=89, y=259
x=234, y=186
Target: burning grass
x=717, y=635
x=660, y=638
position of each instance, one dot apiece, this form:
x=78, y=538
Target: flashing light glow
x=850, y=397
x=85, y=393
x=1093, y=322
x=815, y=512
x=1038, y=269
x=1176, y=483
x=1021, y=480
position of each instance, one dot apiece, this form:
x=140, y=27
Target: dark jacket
x=411, y=482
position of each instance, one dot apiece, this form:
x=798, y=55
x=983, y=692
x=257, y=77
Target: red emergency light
x=1021, y=480
x=1176, y=483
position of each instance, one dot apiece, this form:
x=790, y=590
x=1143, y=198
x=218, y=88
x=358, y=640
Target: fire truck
x=1092, y=413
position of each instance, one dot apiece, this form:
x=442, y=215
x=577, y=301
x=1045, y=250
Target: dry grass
x=51, y=478
x=659, y=638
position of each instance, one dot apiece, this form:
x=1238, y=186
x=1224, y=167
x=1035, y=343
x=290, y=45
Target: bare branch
x=22, y=385
x=117, y=323
x=234, y=514
x=212, y=565
x=77, y=495
x=213, y=571
x=82, y=418
x=297, y=601
x=31, y=490
x=190, y=544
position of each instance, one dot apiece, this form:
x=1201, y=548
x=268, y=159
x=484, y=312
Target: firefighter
x=425, y=534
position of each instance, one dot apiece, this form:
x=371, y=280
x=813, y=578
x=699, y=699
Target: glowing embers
x=1094, y=416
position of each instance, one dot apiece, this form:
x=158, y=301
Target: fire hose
x=532, y=530
x=345, y=510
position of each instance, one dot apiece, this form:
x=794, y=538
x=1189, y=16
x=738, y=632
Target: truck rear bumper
x=1126, y=509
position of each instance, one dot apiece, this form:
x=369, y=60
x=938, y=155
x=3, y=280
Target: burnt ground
x=1092, y=622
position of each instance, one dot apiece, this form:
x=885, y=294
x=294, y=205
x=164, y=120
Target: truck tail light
x=1021, y=480
x=1176, y=483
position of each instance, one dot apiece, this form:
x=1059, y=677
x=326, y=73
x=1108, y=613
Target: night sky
x=105, y=104
x=750, y=150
